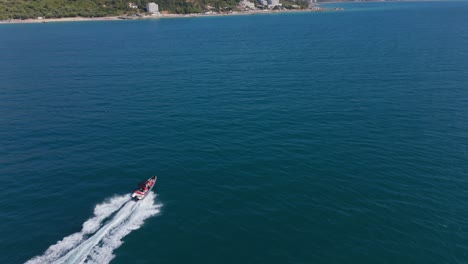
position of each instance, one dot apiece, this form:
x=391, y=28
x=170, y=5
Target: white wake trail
x=112, y=240
x=96, y=241
x=101, y=212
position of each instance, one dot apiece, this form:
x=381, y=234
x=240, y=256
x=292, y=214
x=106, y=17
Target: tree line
x=24, y=9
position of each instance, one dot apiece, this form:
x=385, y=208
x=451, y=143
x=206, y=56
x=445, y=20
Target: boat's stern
x=137, y=195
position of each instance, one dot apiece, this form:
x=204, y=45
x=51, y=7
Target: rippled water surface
x=337, y=137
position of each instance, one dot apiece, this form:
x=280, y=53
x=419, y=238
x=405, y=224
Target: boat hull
x=141, y=194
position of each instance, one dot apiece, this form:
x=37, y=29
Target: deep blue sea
x=334, y=137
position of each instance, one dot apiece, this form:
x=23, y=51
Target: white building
x=152, y=8
x=273, y=3
x=132, y=5
x=247, y=4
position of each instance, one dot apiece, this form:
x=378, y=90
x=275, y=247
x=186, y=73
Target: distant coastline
x=161, y=16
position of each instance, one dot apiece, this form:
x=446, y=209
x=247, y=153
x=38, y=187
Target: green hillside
x=23, y=9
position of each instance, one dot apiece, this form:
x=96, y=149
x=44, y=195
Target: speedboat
x=144, y=188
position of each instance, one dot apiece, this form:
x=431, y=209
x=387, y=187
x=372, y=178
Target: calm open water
x=337, y=137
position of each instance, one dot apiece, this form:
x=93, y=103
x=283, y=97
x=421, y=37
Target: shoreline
x=162, y=16
x=319, y=7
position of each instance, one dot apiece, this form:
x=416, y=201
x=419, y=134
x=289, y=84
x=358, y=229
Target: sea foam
x=101, y=234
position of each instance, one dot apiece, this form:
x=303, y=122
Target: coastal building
x=152, y=8
x=273, y=3
x=132, y=5
x=269, y=3
x=245, y=4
